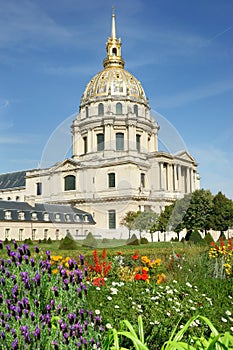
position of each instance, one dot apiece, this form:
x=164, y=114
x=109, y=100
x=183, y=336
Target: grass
x=189, y=291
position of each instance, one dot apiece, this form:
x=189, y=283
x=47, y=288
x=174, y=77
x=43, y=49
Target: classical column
x=179, y=178
x=191, y=180
x=132, y=137
x=187, y=180
x=161, y=176
x=175, y=180
x=108, y=136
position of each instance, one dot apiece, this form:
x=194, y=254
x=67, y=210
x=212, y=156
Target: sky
x=181, y=51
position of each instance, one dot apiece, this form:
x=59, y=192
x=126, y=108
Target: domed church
x=116, y=166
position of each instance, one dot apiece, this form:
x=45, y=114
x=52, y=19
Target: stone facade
x=116, y=165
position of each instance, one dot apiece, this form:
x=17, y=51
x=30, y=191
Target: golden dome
x=114, y=81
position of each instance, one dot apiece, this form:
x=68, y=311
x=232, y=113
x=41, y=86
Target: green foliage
x=28, y=241
x=128, y=220
x=6, y=241
x=68, y=243
x=194, y=237
x=90, y=241
x=222, y=217
x=208, y=238
x=144, y=240
x=145, y=220
x=49, y=241
x=133, y=240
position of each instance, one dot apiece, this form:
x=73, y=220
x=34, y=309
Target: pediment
x=185, y=155
x=65, y=165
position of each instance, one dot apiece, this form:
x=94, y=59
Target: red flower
x=144, y=276
x=98, y=281
x=104, y=254
x=137, y=276
x=135, y=256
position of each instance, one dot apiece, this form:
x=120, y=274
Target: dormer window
x=67, y=217
x=85, y=218
x=21, y=215
x=8, y=215
x=77, y=218
x=57, y=217
x=34, y=216
x=46, y=217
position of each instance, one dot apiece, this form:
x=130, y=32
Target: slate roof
x=12, y=180
x=40, y=209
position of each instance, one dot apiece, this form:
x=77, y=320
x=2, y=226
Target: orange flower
x=98, y=281
x=119, y=252
x=161, y=278
x=136, y=256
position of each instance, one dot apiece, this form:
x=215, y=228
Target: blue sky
x=181, y=51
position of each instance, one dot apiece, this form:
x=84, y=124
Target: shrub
x=194, y=237
x=68, y=243
x=105, y=240
x=144, y=240
x=208, y=238
x=28, y=241
x=90, y=241
x=133, y=240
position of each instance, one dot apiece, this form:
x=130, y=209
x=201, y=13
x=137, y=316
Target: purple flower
x=48, y=254
x=32, y=261
x=36, y=249
x=14, y=344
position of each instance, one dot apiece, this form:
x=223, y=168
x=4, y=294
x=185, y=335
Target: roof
x=43, y=213
x=12, y=180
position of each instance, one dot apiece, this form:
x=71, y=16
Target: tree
x=197, y=216
x=128, y=220
x=144, y=221
x=222, y=213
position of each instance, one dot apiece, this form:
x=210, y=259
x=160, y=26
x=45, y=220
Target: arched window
x=120, y=141
x=85, y=146
x=100, y=142
x=100, y=109
x=118, y=108
x=135, y=110
x=114, y=51
x=69, y=182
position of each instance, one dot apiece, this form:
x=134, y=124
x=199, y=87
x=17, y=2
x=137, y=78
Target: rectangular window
x=112, y=219
x=100, y=142
x=119, y=141
x=33, y=234
x=142, y=180
x=57, y=234
x=20, y=234
x=45, y=233
x=85, y=144
x=138, y=137
x=7, y=232
x=111, y=180
x=38, y=188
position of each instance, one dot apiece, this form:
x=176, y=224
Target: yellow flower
x=161, y=278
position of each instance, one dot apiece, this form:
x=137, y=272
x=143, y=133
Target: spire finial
x=113, y=23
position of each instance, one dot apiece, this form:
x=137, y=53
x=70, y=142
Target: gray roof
x=42, y=208
x=12, y=180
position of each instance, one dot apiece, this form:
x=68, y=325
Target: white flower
x=117, y=307
x=232, y=329
x=109, y=298
x=174, y=281
x=223, y=319
x=188, y=285
x=229, y=296
x=108, y=326
x=147, y=289
x=97, y=312
x=192, y=308
x=168, y=313
x=169, y=299
x=97, y=288
x=228, y=313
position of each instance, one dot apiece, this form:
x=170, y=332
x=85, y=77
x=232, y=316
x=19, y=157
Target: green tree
x=197, y=216
x=144, y=221
x=222, y=214
x=128, y=220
